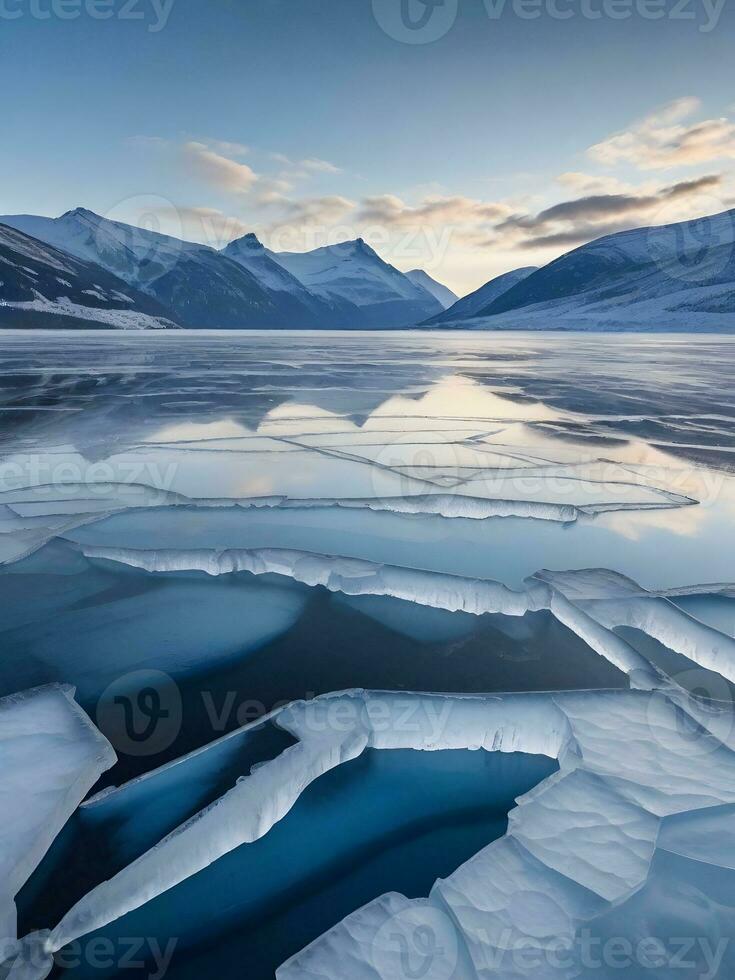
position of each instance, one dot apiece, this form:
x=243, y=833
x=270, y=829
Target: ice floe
x=51, y=756
x=578, y=845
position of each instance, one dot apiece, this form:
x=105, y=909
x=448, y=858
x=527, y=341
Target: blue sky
x=503, y=142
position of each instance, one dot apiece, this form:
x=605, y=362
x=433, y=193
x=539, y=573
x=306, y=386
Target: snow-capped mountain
x=353, y=272
x=307, y=309
x=199, y=286
x=244, y=285
x=677, y=276
x=41, y=286
x=437, y=289
x=472, y=303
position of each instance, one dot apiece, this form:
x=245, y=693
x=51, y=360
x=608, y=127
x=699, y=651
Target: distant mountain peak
x=82, y=213
x=248, y=241
x=361, y=246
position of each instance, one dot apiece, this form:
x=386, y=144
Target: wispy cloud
x=391, y=211
x=210, y=226
x=214, y=168
x=307, y=165
x=575, y=221
x=227, y=148
x=663, y=140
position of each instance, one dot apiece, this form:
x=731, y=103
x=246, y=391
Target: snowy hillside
x=354, y=272
x=678, y=276
x=437, y=289
x=41, y=286
x=472, y=303
x=199, y=286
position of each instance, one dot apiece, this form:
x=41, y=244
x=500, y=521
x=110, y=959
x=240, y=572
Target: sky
x=466, y=137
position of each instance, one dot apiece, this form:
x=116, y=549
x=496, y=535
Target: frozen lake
x=197, y=529
x=130, y=463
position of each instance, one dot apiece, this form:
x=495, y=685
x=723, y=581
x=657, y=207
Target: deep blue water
x=387, y=821
x=236, y=646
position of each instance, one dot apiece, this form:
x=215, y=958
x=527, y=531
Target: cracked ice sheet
x=197, y=472
x=505, y=892
x=486, y=458
x=546, y=880
x=51, y=757
x=508, y=549
x=614, y=601
x=283, y=456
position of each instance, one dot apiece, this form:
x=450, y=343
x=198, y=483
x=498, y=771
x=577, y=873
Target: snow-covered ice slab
x=355, y=577
x=577, y=845
x=614, y=600
x=580, y=845
x=50, y=757
x=582, y=842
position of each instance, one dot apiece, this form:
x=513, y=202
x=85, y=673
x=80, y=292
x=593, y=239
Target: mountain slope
x=472, y=303
x=678, y=276
x=437, y=289
x=353, y=272
x=198, y=285
x=307, y=308
x=43, y=287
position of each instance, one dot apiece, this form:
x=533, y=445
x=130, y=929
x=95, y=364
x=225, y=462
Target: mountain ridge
x=41, y=286
x=469, y=305
x=438, y=290
x=678, y=276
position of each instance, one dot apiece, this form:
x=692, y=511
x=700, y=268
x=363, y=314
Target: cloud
x=573, y=236
x=331, y=207
x=309, y=165
x=218, y=163
x=584, y=183
x=271, y=191
x=581, y=219
x=391, y=211
x=663, y=140
x=220, y=171
x=315, y=165
x=209, y=226
x=228, y=149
